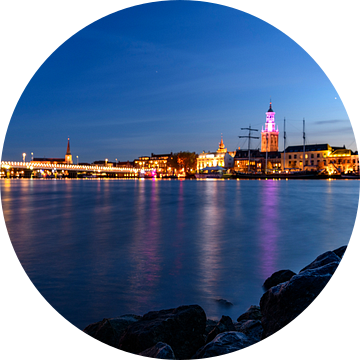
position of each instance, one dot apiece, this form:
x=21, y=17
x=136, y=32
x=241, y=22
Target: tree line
x=183, y=160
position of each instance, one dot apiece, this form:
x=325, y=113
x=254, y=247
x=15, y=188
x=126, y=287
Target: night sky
x=173, y=76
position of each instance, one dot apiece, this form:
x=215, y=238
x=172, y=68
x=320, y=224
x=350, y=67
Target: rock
x=321, y=260
x=224, y=303
x=340, y=251
x=224, y=343
x=210, y=324
x=109, y=331
x=251, y=328
x=159, y=351
x=277, y=278
x=225, y=324
x=181, y=328
x=252, y=313
x=284, y=302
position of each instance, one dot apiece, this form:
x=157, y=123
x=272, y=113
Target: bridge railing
x=50, y=166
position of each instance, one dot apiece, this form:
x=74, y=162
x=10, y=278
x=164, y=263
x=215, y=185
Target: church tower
x=68, y=157
x=270, y=135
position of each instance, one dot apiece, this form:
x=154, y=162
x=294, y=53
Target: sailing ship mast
x=249, y=137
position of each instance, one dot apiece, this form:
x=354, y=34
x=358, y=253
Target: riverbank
x=185, y=332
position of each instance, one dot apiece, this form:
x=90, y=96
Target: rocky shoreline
x=186, y=333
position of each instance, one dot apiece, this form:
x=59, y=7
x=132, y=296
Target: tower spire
x=68, y=148
x=68, y=156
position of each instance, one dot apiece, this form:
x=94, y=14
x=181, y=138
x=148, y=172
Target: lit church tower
x=68, y=157
x=270, y=135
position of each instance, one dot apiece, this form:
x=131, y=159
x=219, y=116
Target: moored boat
x=215, y=172
x=353, y=175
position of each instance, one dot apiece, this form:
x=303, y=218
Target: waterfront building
x=125, y=164
x=67, y=160
x=221, y=157
x=257, y=161
x=103, y=163
x=270, y=135
x=321, y=157
x=158, y=162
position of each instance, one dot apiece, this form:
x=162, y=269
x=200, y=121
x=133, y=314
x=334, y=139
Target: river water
x=104, y=248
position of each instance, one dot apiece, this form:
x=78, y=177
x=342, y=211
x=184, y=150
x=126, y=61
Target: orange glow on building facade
x=221, y=158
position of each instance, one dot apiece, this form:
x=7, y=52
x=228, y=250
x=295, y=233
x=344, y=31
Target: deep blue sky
x=172, y=76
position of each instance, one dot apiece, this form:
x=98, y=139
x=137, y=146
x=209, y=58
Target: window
x=312, y=162
x=295, y=157
x=312, y=156
x=324, y=162
x=290, y=158
x=318, y=155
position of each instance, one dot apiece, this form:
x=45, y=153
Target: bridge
x=12, y=169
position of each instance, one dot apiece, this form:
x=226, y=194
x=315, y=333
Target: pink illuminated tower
x=270, y=135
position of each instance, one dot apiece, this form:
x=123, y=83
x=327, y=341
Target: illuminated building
x=158, y=162
x=321, y=157
x=257, y=161
x=221, y=158
x=103, y=163
x=270, y=135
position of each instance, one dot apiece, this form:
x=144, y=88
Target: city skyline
x=132, y=84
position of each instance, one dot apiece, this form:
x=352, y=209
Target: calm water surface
x=103, y=248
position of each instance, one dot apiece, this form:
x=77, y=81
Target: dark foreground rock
x=224, y=343
x=251, y=328
x=252, y=313
x=159, y=351
x=181, y=328
x=284, y=302
x=278, y=278
x=109, y=331
x=323, y=259
x=225, y=324
x=340, y=251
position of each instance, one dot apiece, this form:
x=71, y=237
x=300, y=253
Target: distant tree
x=183, y=160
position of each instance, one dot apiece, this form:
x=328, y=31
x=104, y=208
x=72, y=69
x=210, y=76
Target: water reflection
x=101, y=248
x=145, y=257
x=269, y=227
x=210, y=225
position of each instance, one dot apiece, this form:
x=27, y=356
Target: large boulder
x=284, y=302
x=225, y=324
x=109, y=331
x=249, y=323
x=159, y=351
x=224, y=343
x=252, y=313
x=323, y=259
x=277, y=278
x=181, y=328
x=251, y=328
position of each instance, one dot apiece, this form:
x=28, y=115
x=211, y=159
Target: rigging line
x=351, y=143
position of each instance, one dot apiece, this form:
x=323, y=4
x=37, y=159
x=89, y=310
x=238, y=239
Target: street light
x=77, y=160
x=106, y=160
x=24, y=156
x=32, y=156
